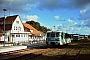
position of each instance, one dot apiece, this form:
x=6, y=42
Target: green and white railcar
x=55, y=38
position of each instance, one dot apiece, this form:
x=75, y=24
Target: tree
x=37, y=26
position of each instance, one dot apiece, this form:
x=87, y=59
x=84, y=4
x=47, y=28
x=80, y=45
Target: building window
x=17, y=22
x=21, y=35
x=12, y=35
x=14, y=27
x=24, y=35
x=18, y=35
x=19, y=28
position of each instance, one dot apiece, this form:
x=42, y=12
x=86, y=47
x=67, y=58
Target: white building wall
x=18, y=29
x=17, y=26
x=23, y=38
x=2, y=38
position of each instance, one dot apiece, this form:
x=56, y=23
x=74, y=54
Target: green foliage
x=37, y=26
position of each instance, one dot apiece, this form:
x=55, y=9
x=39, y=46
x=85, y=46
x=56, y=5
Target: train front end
x=53, y=38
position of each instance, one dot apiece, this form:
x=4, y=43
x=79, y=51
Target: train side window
x=61, y=34
x=57, y=34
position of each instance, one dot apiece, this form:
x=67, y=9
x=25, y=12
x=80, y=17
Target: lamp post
x=54, y=27
x=4, y=25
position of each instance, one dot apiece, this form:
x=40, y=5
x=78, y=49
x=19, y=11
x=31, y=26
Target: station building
x=16, y=31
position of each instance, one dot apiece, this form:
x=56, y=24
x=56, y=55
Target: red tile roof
x=1, y=19
x=26, y=29
x=7, y=27
x=9, y=19
x=8, y=22
x=1, y=32
x=35, y=31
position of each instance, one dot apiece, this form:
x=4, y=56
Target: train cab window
x=53, y=34
x=48, y=34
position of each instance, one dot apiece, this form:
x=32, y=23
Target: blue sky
x=72, y=16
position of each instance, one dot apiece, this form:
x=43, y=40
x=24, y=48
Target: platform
x=11, y=48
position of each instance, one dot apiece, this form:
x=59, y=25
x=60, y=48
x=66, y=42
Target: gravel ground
x=56, y=52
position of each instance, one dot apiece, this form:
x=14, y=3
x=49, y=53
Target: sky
x=71, y=16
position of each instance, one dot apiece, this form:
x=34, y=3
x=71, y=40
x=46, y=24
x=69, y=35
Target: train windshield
x=53, y=34
x=48, y=34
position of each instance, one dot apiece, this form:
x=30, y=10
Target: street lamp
x=54, y=27
x=4, y=25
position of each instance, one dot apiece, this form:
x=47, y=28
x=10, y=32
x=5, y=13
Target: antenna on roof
x=9, y=8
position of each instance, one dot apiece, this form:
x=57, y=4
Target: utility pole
x=4, y=25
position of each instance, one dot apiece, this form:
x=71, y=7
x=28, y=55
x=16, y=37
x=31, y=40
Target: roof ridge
x=12, y=16
x=9, y=16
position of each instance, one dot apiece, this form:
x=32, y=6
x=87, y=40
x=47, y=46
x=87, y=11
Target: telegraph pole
x=4, y=25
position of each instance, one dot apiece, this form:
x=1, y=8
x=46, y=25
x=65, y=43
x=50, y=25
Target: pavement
x=11, y=48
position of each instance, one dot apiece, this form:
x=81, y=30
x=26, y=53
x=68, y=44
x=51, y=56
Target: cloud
x=23, y=21
x=62, y=4
x=82, y=11
x=87, y=23
x=69, y=20
x=74, y=28
x=75, y=23
x=57, y=17
x=85, y=15
x=82, y=23
x=31, y=17
x=19, y=6
x=85, y=9
x=81, y=3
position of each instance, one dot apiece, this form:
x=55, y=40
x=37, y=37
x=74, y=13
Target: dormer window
x=14, y=27
x=19, y=28
x=17, y=22
x=31, y=30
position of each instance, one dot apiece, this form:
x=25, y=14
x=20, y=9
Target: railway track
x=15, y=55
x=71, y=54
x=68, y=54
x=23, y=53
x=32, y=55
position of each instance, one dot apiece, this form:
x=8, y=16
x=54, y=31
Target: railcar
x=68, y=38
x=81, y=37
x=76, y=37
x=55, y=38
